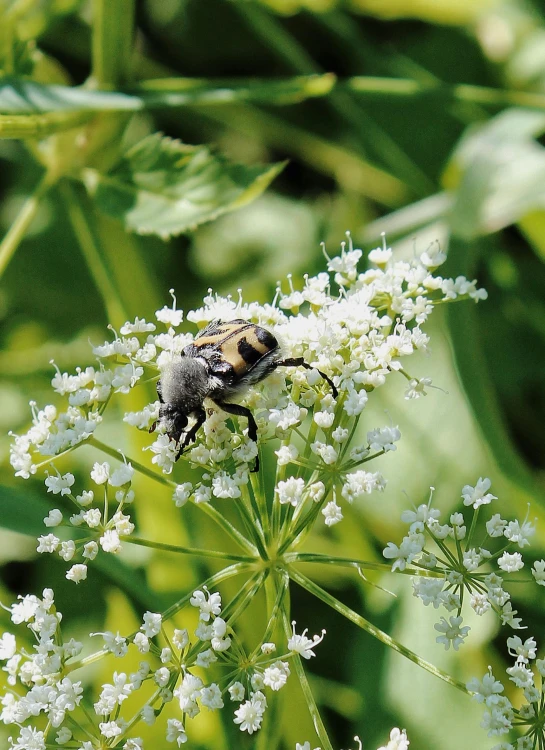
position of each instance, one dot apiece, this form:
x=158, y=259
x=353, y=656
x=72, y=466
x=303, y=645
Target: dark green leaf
x=23, y=511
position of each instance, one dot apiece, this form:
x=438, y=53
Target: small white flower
x=478, y=495
x=110, y=542
x=175, y=731
x=453, y=634
x=236, y=692
x=286, y=454
x=303, y=645
x=60, y=485
x=332, y=513
x=180, y=638
x=290, y=491
x=63, y=735
x=8, y=646
x=151, y=625
x=90, y=550
x=139, y=326
x=115, y=643
x=48, y=543
x=276, y=675
x=510, y=563
x=250, y=714
x=77, y=573
x=86, y=498
x=355, y=403
x=162, y=676
x=208, y=604
x=67, y=550
x=54, y=518
x=100, y=473
x=417, y=388
x=398, y=740
x=182, y=493
x=211, y=697
x=121, y=476
x=538, y=571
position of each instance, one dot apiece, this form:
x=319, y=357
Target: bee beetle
x=223, y=360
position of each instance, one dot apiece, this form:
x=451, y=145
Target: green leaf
x=165, y=187
x=22, y=511
x=500, y=174
x=21, y=96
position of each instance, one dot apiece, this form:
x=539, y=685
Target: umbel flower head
x=353, y=328
x=356, y=327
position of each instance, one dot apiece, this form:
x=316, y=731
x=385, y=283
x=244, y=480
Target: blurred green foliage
x=430, y=128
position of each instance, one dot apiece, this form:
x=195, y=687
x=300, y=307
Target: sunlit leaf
x=498, y=172
x=165, y=187
x=22, y=96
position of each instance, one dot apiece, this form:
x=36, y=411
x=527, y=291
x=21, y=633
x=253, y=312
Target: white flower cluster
x=41, y=673
x=91, y=517
x=500, y=715
x=357, y=336
x=453, y=564
x=50, y=692
x=398, y=741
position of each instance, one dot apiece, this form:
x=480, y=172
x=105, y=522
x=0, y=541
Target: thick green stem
x=113, y=29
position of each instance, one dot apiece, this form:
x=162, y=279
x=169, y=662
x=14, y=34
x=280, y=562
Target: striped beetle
x=223, y=360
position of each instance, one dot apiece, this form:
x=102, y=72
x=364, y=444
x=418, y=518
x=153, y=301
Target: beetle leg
x=191, y=434
x=300, y=362
x=243, y=411
x=160, y=395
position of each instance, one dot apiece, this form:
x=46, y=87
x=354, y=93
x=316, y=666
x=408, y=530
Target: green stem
x=305, y=687
x=408, y=88
x=114, y=453
x=312, y=557
x=205, y=507
x=20, y=226
x=113, y=29
x=364, y=624
x=280, y=585
x=222, y=575
x=188, y=550
x=89, y=246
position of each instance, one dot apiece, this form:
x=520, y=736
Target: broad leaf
x=498, y=171
x=165, y=187
x=22, y=96
x=22, y=511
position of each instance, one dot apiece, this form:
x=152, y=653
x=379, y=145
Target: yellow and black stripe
x=238, y=343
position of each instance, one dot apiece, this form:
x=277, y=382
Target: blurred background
x=433, y=131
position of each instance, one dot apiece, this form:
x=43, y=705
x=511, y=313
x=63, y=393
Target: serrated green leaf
x=20, y=96
x=165, y=187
